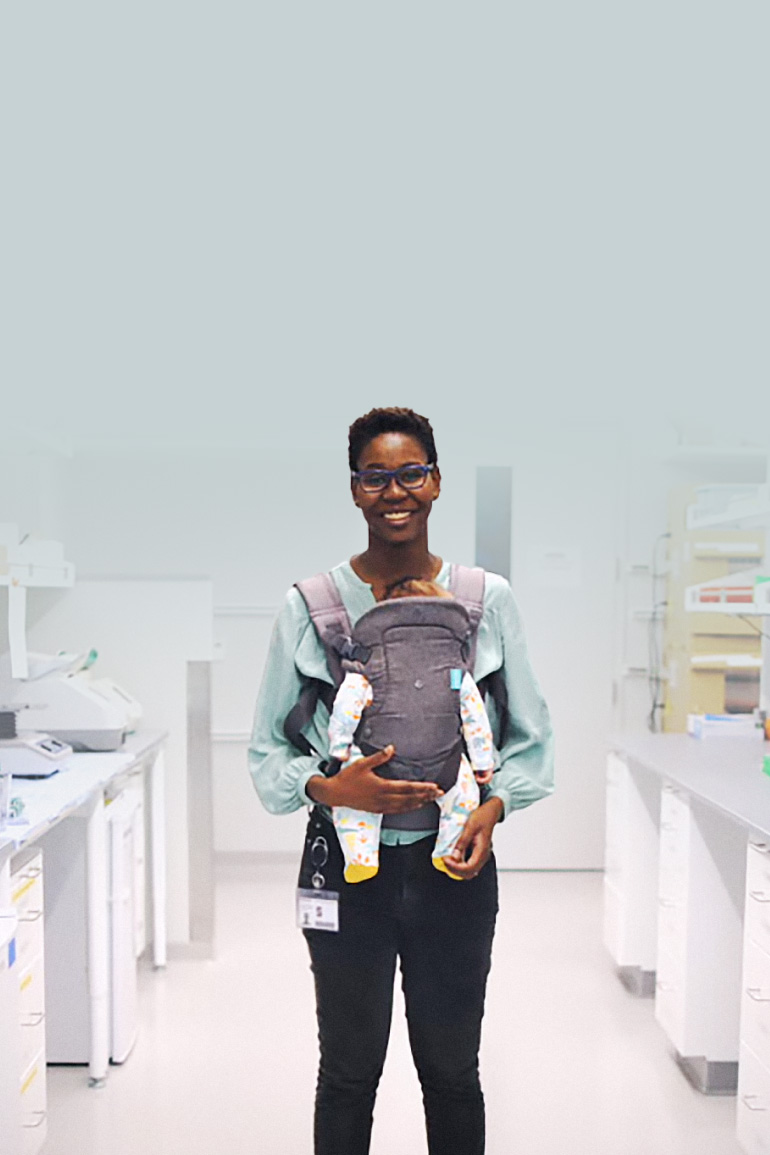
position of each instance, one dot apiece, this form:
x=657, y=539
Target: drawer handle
x=33, y=916
x=33, y=872
x=34, y=1020
x=759, y=895
x=747, y=1102
x=667, y=903
x=42, y=1115
x=755, y=993
x=762, y=847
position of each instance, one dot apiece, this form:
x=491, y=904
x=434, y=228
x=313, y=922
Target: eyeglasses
x=378, y=480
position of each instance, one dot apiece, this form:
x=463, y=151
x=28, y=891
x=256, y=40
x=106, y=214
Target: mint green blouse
x=524, y=763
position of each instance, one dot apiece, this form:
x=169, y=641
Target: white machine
x=33, y=756
x=62, y=697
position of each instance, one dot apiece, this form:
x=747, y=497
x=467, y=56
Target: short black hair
x=394, y=419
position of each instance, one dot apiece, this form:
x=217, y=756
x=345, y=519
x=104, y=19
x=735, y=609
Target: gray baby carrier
x=414, y=652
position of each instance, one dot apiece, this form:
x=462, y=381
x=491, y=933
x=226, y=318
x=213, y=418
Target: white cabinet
x=631, y=856
x=124, y=899
x=67, y=988
x=701, y=880
x=27, y=899
x=754, y=1069
x=753, y=1104
x=10, y=1103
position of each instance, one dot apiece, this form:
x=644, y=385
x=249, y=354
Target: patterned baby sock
x=455, y=807
x=359, y=835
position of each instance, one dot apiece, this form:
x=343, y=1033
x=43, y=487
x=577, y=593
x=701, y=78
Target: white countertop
x=726, y=773
x=46, y=800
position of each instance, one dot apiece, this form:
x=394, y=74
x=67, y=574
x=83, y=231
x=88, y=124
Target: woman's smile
x=398, y=516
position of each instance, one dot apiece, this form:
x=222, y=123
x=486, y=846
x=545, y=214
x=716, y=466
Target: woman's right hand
x=358, y=787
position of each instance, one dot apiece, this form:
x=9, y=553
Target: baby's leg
x=359, y=835
x=455, y=806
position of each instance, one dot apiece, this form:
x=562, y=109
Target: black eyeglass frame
x=360, y=476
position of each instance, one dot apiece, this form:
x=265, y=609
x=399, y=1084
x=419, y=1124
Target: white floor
x=225, y=1063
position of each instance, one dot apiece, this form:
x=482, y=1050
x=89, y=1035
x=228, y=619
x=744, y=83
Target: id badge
x=318, y=910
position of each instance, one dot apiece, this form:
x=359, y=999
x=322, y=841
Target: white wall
x=254, y=526
x=236, y=227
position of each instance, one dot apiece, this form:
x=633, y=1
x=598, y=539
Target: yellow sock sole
x=441, y=865
x=355, y=872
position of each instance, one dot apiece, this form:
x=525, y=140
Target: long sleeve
x=526, y=755
x=353, y=696
x=475, y=725
x=279, y=772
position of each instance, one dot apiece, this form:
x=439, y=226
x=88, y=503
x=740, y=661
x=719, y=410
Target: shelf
x=736, y=594
x=34, y=576
x=743, y=513
x=717, y=453
x=725, y=662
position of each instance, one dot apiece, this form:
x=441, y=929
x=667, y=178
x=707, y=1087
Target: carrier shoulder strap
x=328, y=615
x=467, y=585
x=330, y=620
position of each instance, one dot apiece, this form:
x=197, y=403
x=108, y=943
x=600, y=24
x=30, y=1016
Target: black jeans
x=441, y=929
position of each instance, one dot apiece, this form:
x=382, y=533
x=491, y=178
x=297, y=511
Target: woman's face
x=395, y=514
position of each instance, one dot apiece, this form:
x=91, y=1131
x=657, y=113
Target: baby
x=359, y=830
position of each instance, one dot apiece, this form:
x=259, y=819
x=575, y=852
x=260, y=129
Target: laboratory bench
x=73, y=892
x=687, y=906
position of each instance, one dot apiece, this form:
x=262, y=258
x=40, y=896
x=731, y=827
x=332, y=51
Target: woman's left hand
x=474, y=845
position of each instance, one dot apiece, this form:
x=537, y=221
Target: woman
x=440, y=929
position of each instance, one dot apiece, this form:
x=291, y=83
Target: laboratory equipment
x=29, y=756
x=62, y=697
x=27, y=562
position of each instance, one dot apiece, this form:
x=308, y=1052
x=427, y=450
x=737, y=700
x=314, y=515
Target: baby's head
x=411, y=587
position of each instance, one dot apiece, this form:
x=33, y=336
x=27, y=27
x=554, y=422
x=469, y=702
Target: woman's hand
x=358, y=787
x=476, y=838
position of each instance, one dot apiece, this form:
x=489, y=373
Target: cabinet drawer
x=32, y=1038
x=617, y=771
x=32, y=988
x=27, y=883
x=672, y=930
x=34, y=1106
x=29, y=936
x=755, y=1001
x=613, y=920
x=670, y=1003
x=757, y=921
x=674, y=848
x=27, y=897
x=753, y=1107
x=674, y=811
x=615, y=832
x=673, y=863
x=32, y=1011
x=614, y=856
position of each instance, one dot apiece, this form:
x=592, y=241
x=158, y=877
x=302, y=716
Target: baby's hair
x=413, y=587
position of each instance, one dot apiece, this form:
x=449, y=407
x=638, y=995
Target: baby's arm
x=476, y=730
x=353, y=696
